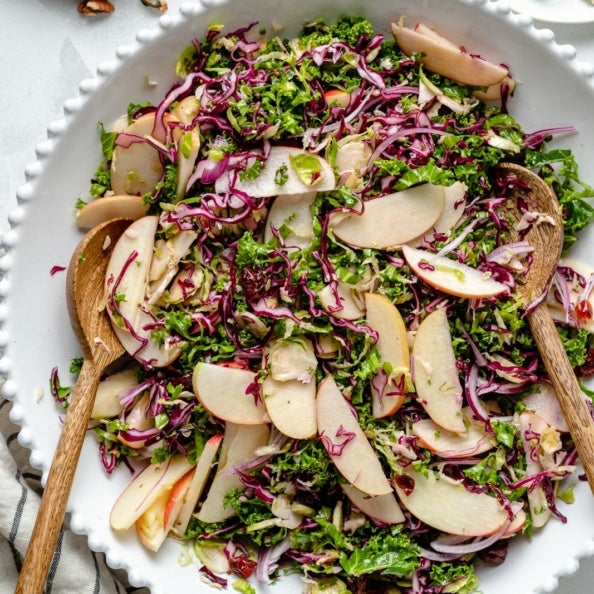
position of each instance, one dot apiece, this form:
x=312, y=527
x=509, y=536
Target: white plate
x=36, y=334
x=556, y=11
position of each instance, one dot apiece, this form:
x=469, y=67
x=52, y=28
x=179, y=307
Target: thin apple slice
x=125, y=286
x=453, y=208
x=451, y=276
x=382, y=508
x=544, y=403
x=340, y=301
x=167, y=256
x=291, y=406
x=226, y=392
x=388, y=391
x=154, y=524
x=447, y=444
x=435, y=373
x=136, y=169
x=293, y=212
x=107, y=398
x=289, y=389
x=287, y=170
x=345, y=442
x=533, y=430
x=110, y=207
x=239, y=445
x=448, y=506
x=203, y=468
x=392, y=220
x=148, y=485
x=445, y=59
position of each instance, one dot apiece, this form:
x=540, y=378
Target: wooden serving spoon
x=100, y=347
x=547, y=239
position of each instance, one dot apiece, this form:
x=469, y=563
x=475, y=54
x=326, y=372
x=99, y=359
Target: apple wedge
x=451, y=276
x=155, y=523
x=125, y=286
x=136, y=168
x=192, y=496
x=435, y=373
x=107, y=398
x=145, y=488
x=345, y=442
x=442, y=57
x=388, y=391
x=293, y=212
x=289, y=389
x=226, y=393
x=448, y=506
x=239, y=445
x=287, y=170
x=447, y=444
x=110, y=207
x=453, y=208
x=392, y=220
x=381, y=508
x=340, y=302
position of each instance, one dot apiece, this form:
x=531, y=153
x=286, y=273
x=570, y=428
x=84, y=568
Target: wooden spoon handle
x=566, y=387
x=59, y=482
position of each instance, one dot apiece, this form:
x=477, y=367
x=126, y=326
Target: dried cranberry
x=242, y=566
x=405, y=482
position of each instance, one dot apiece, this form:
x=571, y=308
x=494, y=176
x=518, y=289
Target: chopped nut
x=159, y=4
x=94, y=7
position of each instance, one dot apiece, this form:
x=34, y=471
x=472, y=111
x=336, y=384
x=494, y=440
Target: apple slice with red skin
x=443, y=57
x=345, y=442
x=451, y=276
x=388, y=392
x=304, y=172
x=435, y=373
x=382, y=508
x=337, y=98
x=126, y=285
x=447, y=444
x=147, y=486
x=544, y=403
x=389, y=221
x=154, y=524
x=448, y=506
x=239, y=445
x=492, y=92
x=202, y=471
x=226, y=393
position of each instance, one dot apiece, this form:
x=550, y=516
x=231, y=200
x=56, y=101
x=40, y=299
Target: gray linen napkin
x=75, y=569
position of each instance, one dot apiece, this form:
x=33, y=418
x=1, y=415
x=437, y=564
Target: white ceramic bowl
x=555, y=90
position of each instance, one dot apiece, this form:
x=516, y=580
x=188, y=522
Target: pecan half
x=94, y=7
x=161, y=5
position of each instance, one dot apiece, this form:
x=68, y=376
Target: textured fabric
x=75, y=569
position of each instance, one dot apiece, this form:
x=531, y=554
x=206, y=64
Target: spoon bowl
x=529, y=195
x=100, y=347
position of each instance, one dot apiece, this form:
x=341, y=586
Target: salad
x=328, y=370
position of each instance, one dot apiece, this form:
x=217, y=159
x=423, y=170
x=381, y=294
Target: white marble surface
x=47, y=48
